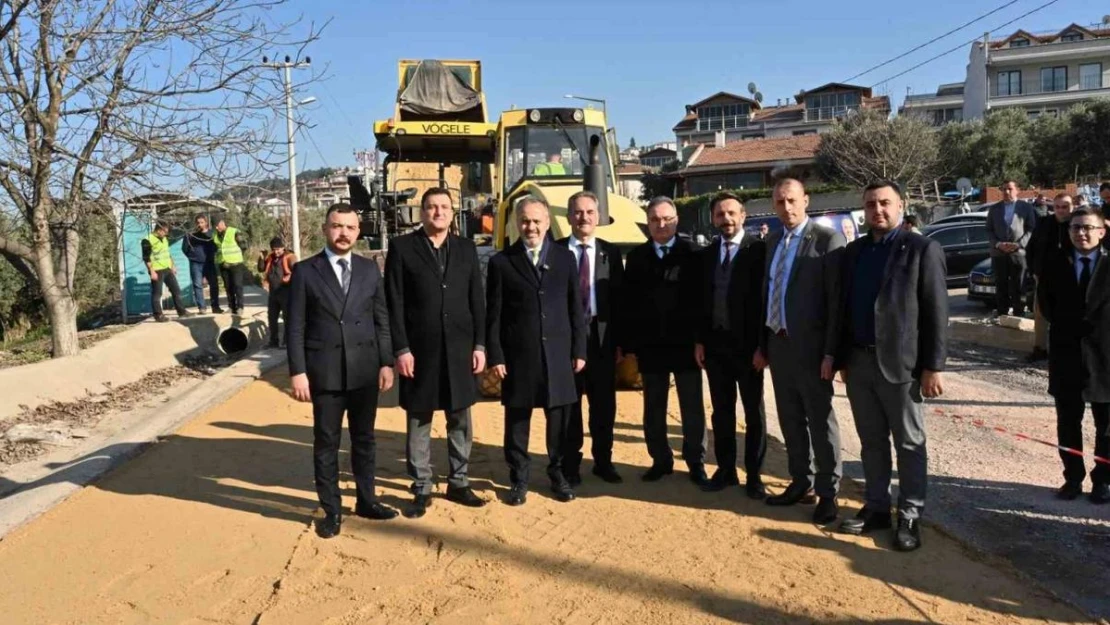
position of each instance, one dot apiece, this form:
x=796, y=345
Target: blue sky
x=647, y=58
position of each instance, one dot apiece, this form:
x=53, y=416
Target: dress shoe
x=216, y=310
x=865, y=521
x=797, y=492
x=720, y=481
x=908, y=535
x=827, y=511
x=463, y=495
x=1100, y=494
x=419, y=506
x=574, y=478
x=328, y=527
x=518, y=494
x=698, y=476
x=607, y=473
x=1070, y=491
x=375, y=510
x=755, y=488
x=184, y=314
x=656, y=473
x=161, y=318
x=563, y=491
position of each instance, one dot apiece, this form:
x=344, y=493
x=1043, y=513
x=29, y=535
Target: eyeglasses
x=1085, y=228
x=662, y=220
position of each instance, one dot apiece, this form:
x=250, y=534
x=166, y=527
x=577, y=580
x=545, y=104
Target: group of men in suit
x=556, y=317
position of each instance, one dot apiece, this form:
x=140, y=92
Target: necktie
x=728, y=254
x=664, y=250
x=1084, y=275
x=584, y=278
x=774, y=317
x=535, y=256
x=345, y=274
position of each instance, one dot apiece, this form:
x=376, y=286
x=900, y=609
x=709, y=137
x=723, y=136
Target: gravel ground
x=996, y=492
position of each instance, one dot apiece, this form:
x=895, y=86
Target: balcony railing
x=1036, y=87
x=828, y=113
x=723, y=123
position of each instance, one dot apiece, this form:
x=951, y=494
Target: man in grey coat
x=1010, y=225
x=801, y=297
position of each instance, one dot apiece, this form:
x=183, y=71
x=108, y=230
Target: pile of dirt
x=33, y=431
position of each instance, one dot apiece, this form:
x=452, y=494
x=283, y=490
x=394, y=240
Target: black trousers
x=1070, y=408
x=276, y=307
x=328, y=407
x=168, y=278
x=233, y=276
x=518, y=423
x=598, y=382
x=1009, y=274
x=729, y=371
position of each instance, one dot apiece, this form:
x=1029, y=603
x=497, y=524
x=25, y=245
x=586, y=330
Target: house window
x=1009, y=83
x=1020, y=42
x=944, y=116
x=802, y=133
x=1090, y=76
x=722, y=117
x=1054, y=78
x=1071, y=35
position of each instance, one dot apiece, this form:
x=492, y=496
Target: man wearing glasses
x=1076, y=302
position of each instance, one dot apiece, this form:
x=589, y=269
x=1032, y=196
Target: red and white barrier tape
x=979, y=423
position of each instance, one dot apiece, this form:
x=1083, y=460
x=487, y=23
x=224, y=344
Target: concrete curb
x=22, y=502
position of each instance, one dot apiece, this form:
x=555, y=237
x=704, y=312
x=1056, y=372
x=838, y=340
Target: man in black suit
x=1010, y=225
x=892, y=350
x=1076, y=301
x=728, y=335
x=1050, y=239
x=661, y=279
x=437, y=314
x=600, y=278
x=340, y=357
x=801, y=291
x=537, y=342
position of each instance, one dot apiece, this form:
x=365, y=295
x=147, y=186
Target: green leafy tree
x=1088, y=137
x=1004, y=150
x=1054, y=153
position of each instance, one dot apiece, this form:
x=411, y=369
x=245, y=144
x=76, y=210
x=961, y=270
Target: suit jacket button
x=543, y=338
x=541, y=292
x=444, y=285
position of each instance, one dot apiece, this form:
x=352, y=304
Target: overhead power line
x=931, y=41
x=965, y=44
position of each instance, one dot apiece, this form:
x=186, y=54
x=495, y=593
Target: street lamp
x=288, y=65
x=571, y=96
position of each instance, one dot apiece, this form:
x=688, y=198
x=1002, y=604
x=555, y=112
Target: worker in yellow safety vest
x=229, y=258
x=159, y=265
x=553, y=166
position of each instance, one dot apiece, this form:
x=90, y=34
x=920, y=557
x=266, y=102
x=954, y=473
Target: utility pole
x=288, y=65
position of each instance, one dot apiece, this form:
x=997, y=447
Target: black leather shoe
x=574, y=478
x=755, y=489
x=563, y=491
x=1100, y=494
x=328, y=527
x=797, y=492
x=217, y=310
x=698, y=476
x=419, y=506
x=656, y=473
x=720, y=481
x=607, y=473
x=865, y=521
x=161, y=318
x=376, y=511
x=1070, y=491
x=827, y=511
x=465, y=496
x=518, y=494
x=908, y=535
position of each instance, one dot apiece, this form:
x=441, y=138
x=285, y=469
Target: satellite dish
x=751, y=87
x=759, y=97
x=963, y=185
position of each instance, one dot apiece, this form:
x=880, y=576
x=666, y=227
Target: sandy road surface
x=212, y=526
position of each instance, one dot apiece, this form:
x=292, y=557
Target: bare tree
x=867, y=146
x=102, y=100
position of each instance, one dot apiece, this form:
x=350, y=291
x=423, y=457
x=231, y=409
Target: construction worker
x=553, y=166
x=277, y=271
x=159, y=264
x=229, y=258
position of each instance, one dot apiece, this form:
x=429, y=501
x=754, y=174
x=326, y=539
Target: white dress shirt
x=333, y=259
x=591, y=253
x=659, y=247
x=732, y=248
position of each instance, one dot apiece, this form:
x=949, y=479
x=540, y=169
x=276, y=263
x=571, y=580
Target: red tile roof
x=759, y=151
x=630, y=169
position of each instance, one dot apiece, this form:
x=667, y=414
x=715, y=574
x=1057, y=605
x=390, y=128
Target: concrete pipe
x=233, y=342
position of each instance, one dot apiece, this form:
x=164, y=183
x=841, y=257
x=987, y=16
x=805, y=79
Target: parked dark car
x=981, y=287
x=980, y=216
x=965, y=244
